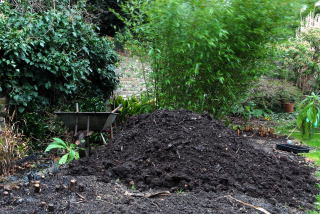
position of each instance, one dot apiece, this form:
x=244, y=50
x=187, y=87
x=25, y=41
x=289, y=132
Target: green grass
x=313, y=142
x=313, y=155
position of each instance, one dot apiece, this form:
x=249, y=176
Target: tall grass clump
x=12, y=147
x=204, y=53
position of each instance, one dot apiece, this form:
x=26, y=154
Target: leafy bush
x=38, y=126
x=94, y=11
x=270, y=94
x=134, y=106
x=107, y=21
x=203, y=53
x=309, y=115
x=299, y=58
x=51, y=57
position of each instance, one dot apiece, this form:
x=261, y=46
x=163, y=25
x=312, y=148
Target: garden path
x=131, y=72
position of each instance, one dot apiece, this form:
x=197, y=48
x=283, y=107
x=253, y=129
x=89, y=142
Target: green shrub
x=107, y=21
x=134, y=106
x=39, y=126
x=309, y=115
x=270, y=94
x=203, y=53
x=49, y=58
x=298, y=59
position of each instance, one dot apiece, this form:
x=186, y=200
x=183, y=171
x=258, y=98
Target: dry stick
x=249, y=205
x=72, y=185
x=103, y=139
x=81, y=196
x=291, y=132
x=77, y=120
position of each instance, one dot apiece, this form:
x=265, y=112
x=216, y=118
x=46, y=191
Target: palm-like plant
x=309, y=115
x=70, y=150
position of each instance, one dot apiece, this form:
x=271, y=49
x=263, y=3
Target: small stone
x=58, y=188
x=19, y=201
x=43, y=204
x=50, y=207
x=81, y=188
x=7, y=188
x=6, y=193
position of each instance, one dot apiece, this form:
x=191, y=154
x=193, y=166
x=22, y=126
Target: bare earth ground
x=142, y=172
x=100, y=190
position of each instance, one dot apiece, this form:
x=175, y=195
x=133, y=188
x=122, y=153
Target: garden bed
x=198, y=165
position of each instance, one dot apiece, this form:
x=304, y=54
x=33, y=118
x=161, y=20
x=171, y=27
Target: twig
x=148, y=195
x=249, y=205
x=81, y=196
x=104, y=140
x=291, y=132
x=178, y=154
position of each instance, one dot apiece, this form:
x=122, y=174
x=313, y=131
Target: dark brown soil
x=197, y=159
x=181, y=150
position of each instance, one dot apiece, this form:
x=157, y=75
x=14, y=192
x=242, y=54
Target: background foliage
x=299, y=58
x=204, y=54
x=51, y=57
x=269, y=94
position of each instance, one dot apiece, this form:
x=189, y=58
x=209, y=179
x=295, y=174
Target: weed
x=70, y=150
x=133, y=187
x=179, y=191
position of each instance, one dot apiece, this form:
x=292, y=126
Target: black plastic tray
x=292, y=148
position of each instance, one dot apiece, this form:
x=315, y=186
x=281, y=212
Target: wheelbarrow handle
x=116, y=109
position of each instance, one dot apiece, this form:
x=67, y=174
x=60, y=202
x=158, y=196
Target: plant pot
x=288, y=107
x=292, y=148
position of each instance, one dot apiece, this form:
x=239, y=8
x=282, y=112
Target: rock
x=7, y=187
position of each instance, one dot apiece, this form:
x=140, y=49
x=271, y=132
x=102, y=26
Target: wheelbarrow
x=85, y=123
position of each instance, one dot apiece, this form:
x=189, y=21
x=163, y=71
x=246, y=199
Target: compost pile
x=181, y=150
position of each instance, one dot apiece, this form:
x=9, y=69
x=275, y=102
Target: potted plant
x=289, y=96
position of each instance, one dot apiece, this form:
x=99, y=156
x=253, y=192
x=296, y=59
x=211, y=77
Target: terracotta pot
x=288, y=107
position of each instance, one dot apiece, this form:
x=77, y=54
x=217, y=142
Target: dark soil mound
x=181, y=150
